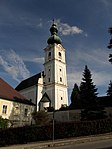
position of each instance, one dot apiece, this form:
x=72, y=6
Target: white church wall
x=44, y=105
x=60, y=70
x=61, y=97
x=30, y=93
x=39, y=91
x=59, y=49
x=55, y=75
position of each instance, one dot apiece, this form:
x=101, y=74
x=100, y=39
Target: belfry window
x=48, y=79
x=49, y=55
x=59, y=54
x=60, y=79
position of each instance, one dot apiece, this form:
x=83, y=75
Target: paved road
x=103, y=141
x=103, y=144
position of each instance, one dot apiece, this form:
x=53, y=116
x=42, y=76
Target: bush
x=26, y=134
x=41, y=118
x=3, y=123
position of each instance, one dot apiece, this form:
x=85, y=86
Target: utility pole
x=53, y=128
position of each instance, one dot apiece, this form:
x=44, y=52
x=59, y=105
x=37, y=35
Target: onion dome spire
x=54, y=38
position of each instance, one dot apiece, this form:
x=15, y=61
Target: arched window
x=49, y=54
x=48, y=79
x=59, y=54
x=60, y=79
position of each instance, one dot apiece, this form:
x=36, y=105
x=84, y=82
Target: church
x=49, y=87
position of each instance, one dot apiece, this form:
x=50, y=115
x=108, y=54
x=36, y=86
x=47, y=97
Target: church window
x=61, y=98
x=49, y=69
x=49, y=55
x=49, y=79
x=59, y=54
x=4, y=110
x=60, y=79
x=60, y=69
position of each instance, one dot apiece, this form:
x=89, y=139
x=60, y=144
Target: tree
x=109, y=91
x=110, y=44
x=41, y=118
x=75, y=101
x=88, y=91
x=3, y=123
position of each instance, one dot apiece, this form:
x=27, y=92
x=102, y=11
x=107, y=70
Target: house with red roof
x=14, y=106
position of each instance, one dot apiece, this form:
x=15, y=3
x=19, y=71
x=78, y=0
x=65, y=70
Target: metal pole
x=53, y=128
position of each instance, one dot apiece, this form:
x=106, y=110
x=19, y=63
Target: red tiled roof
x=9, y=93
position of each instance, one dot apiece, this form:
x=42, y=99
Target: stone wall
x=64, y=116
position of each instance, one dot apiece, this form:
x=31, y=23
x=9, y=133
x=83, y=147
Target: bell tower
x=55, y=80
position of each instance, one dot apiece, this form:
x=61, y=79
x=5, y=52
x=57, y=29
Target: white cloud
x=74, y=77
x=34, y=59
x=97, y=62
x=66, y=29
x=107, y=3
x=101, y=78
x=31, y=22
x=91, y=57
x=14, y=65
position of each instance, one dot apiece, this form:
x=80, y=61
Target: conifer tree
x=88, y=91
x=109, y=91
x=75, y=103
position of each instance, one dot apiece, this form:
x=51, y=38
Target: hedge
x=27, y=134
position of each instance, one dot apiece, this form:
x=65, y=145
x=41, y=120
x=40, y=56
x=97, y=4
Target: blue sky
x=83, y=27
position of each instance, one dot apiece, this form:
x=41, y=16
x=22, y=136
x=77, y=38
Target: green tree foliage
x=88, y=96
x=75, y=100
x=88, y=91
x=41, y=118
x=63, y=108
x=3, y=123
x=109, y=91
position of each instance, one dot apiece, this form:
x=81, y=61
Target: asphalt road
x=103, y=141
x=103, y=144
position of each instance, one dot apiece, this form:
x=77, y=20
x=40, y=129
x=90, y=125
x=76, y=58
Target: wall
x=18, y=113
x=55, y=75
x=34, y=93
x=9, y=105
x=30, y=93
x=64, y=116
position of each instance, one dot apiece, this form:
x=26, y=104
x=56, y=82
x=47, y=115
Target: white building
x=49, y=88
x=32, y=88
x=14, y=106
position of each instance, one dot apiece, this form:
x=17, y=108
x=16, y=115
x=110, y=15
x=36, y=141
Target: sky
x=82, y=26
